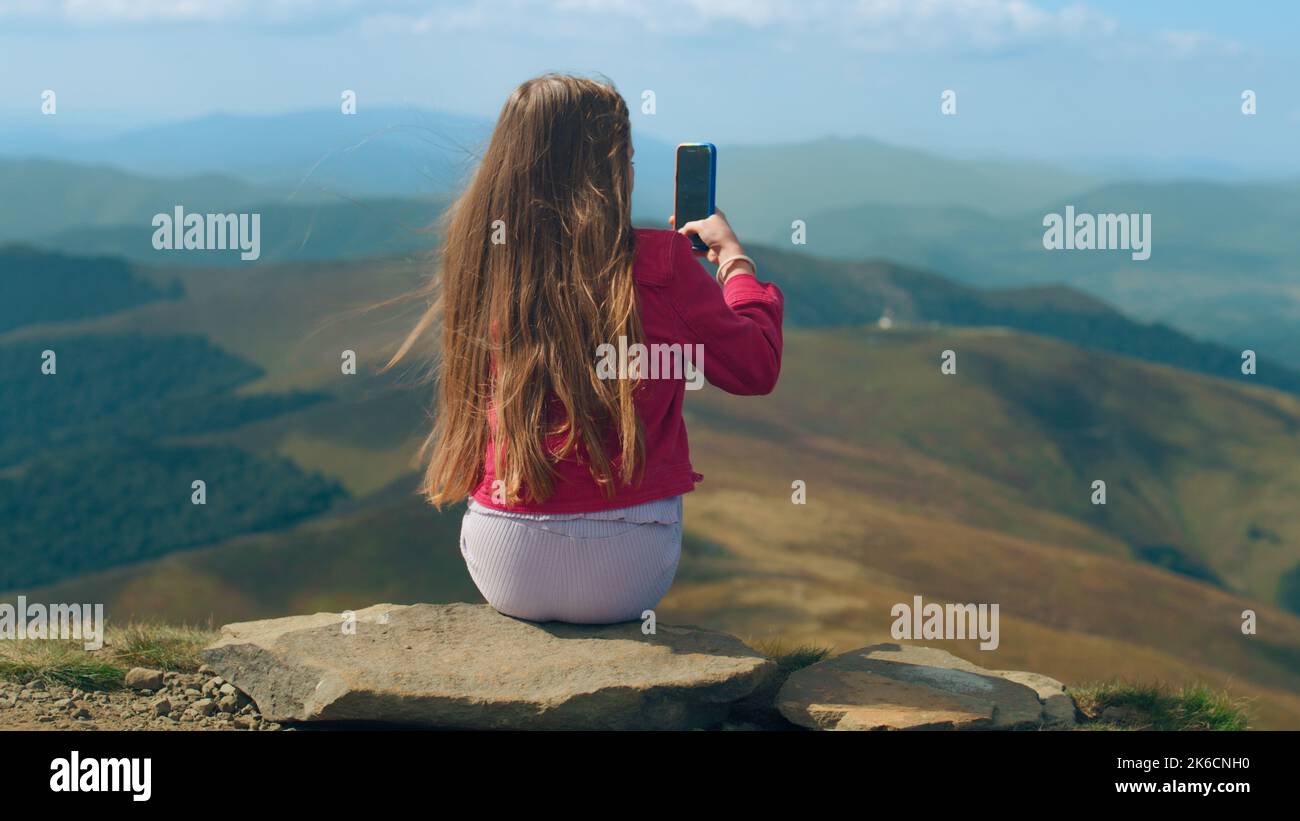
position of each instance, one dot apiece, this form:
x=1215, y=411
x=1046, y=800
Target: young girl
x=576, y=480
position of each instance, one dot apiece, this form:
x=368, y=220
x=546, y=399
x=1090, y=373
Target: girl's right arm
x=739, y=325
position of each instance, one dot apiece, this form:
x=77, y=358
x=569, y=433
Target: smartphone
x=697, y=165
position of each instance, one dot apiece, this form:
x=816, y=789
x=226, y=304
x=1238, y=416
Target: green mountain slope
x=288, y=232
x=1223, y=258
x=47, y=196
x=967, y=488
x=408, y=152
x=1222, y=265
x=764, y=188
x=38, y=286
x=972, y=487
x=824, y=292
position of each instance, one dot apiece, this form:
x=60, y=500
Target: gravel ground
x=152, y=700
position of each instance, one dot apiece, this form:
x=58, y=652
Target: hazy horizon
x=1099, y=87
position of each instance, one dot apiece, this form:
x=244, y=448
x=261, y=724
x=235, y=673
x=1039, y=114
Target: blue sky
x=1143, y=84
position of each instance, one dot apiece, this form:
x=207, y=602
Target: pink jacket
x=736, y=328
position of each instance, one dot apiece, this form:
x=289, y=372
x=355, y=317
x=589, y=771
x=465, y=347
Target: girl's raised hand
x=714, y=232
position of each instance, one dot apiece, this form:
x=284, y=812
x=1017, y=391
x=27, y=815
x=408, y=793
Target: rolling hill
x=57, y=196
x=1223, y=263
x=38, y=286
x=377, y=152
x=1222, y=267
x=828, y=292
x=764, y=188
x=971, y=487
x=405, y=152
x=918, y=484
x=825, y=291
x=288, y=232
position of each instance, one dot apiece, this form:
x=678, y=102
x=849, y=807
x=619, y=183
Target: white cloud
x=137, y=11
x=979, y=25
x=1196, y=44
x=872, y=25
x=883, y=24
x=108, y=12
x=877, y=26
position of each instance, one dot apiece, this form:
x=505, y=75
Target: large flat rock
x=899, y=687
x=468, y=666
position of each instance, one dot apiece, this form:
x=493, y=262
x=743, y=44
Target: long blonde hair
x=535, y=271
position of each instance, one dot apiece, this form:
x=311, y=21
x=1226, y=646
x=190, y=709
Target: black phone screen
x=693, y=198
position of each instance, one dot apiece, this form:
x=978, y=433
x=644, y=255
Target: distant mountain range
x=1223, y=264
x=823, y=292
x=1225, y=258
x=288, y=232
x=832, y=292
x=408, y=152
x=379, y=152
x=51, y=196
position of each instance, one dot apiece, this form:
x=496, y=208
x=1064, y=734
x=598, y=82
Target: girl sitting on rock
x=575, y=476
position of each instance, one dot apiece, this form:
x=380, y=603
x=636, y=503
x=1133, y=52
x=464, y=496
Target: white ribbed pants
x=585, y=568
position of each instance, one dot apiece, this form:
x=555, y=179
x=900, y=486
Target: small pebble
x=205, y=706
